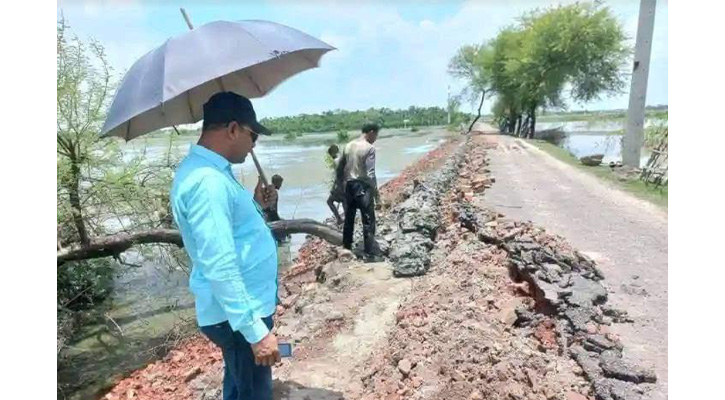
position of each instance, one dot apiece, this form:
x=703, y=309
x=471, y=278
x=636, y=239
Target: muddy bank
x=468, y=305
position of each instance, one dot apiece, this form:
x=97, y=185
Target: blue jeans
x=243, y=379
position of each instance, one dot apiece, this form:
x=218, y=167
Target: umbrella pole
x=254, y=156
x=186, y=18
x=259, y=168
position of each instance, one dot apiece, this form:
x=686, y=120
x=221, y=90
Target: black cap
x=225, y=107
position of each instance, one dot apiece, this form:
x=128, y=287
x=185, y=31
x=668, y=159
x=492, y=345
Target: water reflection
x=586, y=138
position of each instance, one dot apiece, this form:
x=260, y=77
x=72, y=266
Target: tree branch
x=74, y=198
x=112, y=245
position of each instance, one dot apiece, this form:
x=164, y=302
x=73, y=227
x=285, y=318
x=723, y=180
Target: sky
x=392, y=53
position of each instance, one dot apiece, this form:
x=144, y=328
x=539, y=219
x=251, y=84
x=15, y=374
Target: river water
x=301, y=163
x=150, y=300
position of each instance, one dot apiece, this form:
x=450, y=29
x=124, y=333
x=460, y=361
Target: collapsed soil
x=360, y=333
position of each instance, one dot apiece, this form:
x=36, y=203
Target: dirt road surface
x=626, y=236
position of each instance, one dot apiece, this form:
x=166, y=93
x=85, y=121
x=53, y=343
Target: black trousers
x=359, y=196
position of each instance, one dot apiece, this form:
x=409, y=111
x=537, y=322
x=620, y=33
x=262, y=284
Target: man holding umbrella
x=233, y=251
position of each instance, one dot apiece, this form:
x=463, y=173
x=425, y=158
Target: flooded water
x=586, y=138
x=150, y=300
x=301, y=163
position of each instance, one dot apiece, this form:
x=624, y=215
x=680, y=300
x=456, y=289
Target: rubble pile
x=565, y=285
x=410, y=229
x=455, y=337
x=463, y=335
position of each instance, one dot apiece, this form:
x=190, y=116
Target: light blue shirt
x=232, y=250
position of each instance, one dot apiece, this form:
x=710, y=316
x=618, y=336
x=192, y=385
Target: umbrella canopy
x=170, y=84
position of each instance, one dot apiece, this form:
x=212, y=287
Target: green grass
x=636, y=187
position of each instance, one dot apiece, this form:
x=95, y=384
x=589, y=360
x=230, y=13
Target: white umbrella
x=170, y=84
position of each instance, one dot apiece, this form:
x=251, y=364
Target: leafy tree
x=504, y=79
x=576, y=51
x=473, y=64
x=581, y=46
x=100, y=190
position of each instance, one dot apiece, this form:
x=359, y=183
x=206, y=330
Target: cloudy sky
x=390, y=53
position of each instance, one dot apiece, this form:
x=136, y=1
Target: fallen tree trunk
x=113, y=245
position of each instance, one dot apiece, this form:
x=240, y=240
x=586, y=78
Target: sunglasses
x=254, y=134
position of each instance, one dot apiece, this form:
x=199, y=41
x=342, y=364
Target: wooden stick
x=221, y=85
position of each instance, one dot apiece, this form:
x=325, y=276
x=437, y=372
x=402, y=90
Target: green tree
x=505, y=82
x=100, y=190
x=578, y=48
x=575, y=51
x=473, y=64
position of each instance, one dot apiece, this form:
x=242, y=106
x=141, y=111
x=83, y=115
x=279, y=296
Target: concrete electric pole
x=632, y=146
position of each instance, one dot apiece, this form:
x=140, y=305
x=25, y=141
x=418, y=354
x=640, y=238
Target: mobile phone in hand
x=285, y=349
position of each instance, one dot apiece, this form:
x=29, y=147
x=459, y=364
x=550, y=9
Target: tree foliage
x=341, y=120
x=575, y=52
x=472, y=63
x=101, y=189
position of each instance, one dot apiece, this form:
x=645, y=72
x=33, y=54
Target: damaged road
x=469, y=305
x=566, y=313
x=626, y=236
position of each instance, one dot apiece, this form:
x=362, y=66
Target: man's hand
x=265, y=196
x=266, y=351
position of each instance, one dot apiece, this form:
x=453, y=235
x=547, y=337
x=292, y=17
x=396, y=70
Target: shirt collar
x=215, y=158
